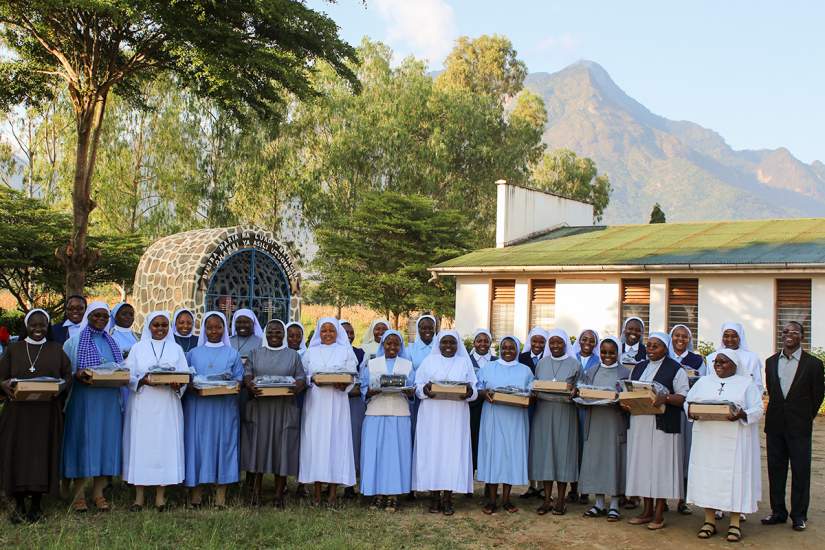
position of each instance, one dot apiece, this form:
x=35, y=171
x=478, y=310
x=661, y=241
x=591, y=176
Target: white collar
x=487, y=356
x=266, y=345
x=683, y=355
x=634, y=347
x=613, y=366
x=68, y=323
x=214, y=344
x=534, y=356
x=35, y=342
x=122, y=329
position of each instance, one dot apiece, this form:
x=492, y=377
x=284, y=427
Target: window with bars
x=542, y=303
x=683, y=305
x=502, y=308
x=636, y=300
x=793, y=303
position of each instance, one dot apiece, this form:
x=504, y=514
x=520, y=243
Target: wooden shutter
x=683, y=305
x=793, y=303
x=544, y=291
x=684, y=292
x=504, y=292
x=502, y=307
x=543, y=303
x=635, y=300
x=636, y=291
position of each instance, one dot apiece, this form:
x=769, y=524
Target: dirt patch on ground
x=526, y=529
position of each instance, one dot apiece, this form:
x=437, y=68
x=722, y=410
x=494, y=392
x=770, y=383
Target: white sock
x=614, y=503
x=600, y=502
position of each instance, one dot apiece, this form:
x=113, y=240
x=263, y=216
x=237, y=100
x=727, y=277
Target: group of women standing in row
x=162, y=435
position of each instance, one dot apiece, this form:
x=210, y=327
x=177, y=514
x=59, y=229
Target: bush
x=12, y=319
x=704, y=348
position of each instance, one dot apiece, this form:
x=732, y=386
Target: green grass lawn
x=299, y=525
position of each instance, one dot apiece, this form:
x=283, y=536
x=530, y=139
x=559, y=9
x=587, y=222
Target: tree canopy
x=243, y=55
x=29, y=270
x=563, y=172
x=378, y=254
x=657, y=215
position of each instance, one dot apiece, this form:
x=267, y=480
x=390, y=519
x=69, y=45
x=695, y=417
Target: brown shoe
x=102, y=504
x=80, y=505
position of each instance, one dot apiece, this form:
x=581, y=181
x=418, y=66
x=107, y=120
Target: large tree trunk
x=76, y=257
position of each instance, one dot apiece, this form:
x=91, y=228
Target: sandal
x=80, y=505
x=509, y=508
x=377, y=502
x=560, y=511
x=595, y=512
x=102, y=504
x=447, y=505
x=655, y=526
x=135, y=507
x=684, y=509
x=435, y=505
x=640, y=520
x=706, y=531
x=489, y=508
x=544, y=508
x=613, y=515
x=734, y=534
x=630, y=504
x=392, y=504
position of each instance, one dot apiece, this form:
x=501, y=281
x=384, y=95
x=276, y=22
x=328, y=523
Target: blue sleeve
x=237, y=368
x=481, y=377
x=364, y=380
x=70, y=348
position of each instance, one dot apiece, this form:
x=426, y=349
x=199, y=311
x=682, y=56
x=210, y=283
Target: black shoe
x=34, y=515
x=773, y=519
x=530, y=493
x=17, y=516
x=799, y=525
x=349, y=493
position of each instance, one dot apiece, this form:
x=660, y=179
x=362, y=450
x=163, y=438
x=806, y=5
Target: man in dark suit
x=796, y=387
x=74, y=311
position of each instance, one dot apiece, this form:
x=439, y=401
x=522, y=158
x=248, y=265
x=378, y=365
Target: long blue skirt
x=211, y=439
x=386, y=455
x=503, y=441
x=93, y=433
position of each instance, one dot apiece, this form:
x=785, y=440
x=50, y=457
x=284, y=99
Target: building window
x=793, y=303
x=503, y=306
x=683, y=305
x=636, y=300
x=542, y=303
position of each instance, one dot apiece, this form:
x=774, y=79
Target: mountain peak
x=689, y=169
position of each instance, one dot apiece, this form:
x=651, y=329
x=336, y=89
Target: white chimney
x=523, y=213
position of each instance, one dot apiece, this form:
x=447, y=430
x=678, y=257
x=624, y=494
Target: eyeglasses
x=791, y=333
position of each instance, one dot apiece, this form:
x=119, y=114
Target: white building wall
x=521, y=311
x=524, y=212
x=658, y=305
x=472, y=304
x=746, y=299
x=593, y=302
x=588, y=303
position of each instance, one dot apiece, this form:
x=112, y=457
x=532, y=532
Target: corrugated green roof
x=798, y=241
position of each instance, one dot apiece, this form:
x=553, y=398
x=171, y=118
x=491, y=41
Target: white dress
x=655, y=460
x=153, y=425
x=443, y=454
x=326, y=432
x=725, y=465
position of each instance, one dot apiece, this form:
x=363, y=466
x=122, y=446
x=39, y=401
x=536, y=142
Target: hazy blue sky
x=753, y=70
